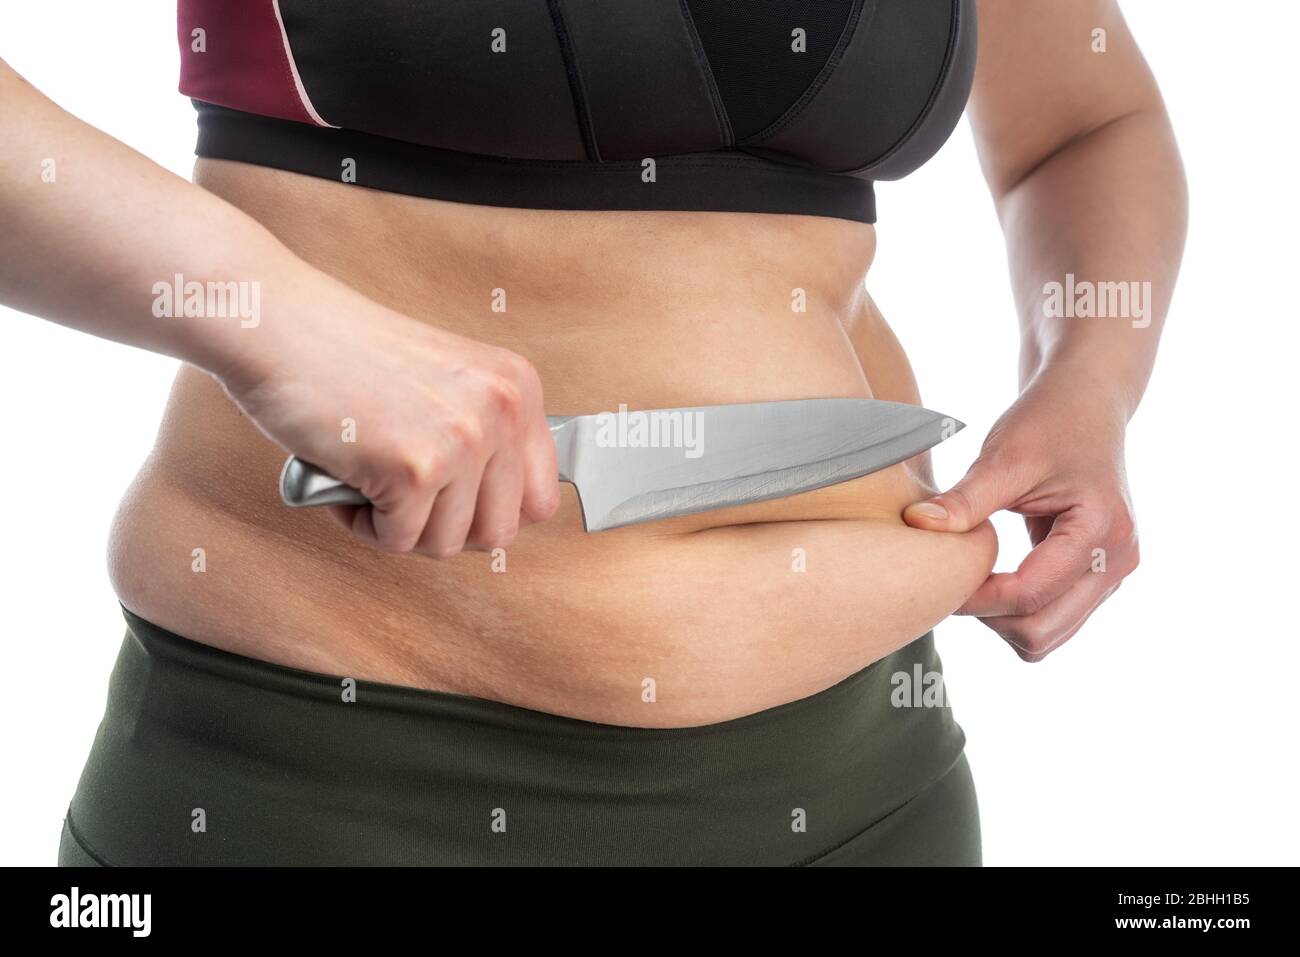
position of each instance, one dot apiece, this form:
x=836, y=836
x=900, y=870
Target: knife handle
x=303, y=485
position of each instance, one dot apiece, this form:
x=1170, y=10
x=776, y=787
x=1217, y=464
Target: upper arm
x=1041, y=81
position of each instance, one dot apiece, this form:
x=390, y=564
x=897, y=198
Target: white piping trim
x=293, y=68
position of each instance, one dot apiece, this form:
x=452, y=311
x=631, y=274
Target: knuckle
x=1026, y=638
x=503, y=395
x=959, y=501
x=1123, y=528
x=416, y=468
x=395, y=544
x=547, y=508
x=1134, y=559
x=501, y=537
x=995, y=455
x=520, y=371
x=1015, y=632
x=1009, y=458
x=1030, y=600
x=543, y=507
x=1119, y=523
x=465, y=436
x=511, y=382
x=1092, y=528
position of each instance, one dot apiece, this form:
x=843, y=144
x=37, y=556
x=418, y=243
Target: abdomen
x=718, y=615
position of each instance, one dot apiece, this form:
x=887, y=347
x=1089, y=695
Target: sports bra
x=778, y=106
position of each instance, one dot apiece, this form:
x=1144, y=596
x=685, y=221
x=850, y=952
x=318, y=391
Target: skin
x=1079, y=155
x=383, y=318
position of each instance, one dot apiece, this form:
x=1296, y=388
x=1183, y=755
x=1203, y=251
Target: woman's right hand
x=446, y=436
x=450, y=443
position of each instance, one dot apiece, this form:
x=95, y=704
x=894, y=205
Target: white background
x=1164, y=733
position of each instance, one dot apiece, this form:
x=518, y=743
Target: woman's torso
x=683, y=622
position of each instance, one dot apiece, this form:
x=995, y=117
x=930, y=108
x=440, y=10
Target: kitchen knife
x=642, y=466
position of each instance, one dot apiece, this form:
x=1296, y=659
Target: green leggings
x=209, y=758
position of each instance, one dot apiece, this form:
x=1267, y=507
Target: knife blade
x=649, y=465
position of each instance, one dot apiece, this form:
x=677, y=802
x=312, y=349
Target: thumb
x=982, y=491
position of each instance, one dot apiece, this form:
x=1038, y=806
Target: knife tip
x=949, y=425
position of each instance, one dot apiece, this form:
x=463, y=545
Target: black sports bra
x=779, y=106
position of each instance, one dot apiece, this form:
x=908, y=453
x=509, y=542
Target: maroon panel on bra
x=243, y=65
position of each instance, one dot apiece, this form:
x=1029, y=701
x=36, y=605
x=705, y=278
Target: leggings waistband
x=206, y=757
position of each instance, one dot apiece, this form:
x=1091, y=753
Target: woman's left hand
x=1057, y=458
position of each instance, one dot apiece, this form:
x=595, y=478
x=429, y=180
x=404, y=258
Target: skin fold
x=472, y=574
x=713, y=608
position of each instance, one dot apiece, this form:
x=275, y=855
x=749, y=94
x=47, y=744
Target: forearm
x=91, y=228
x=1108, y=208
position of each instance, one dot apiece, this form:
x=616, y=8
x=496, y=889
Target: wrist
x=1085, y=375
x=1050, y=432
x=252, y=305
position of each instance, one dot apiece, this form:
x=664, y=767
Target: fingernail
x=931, y=510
